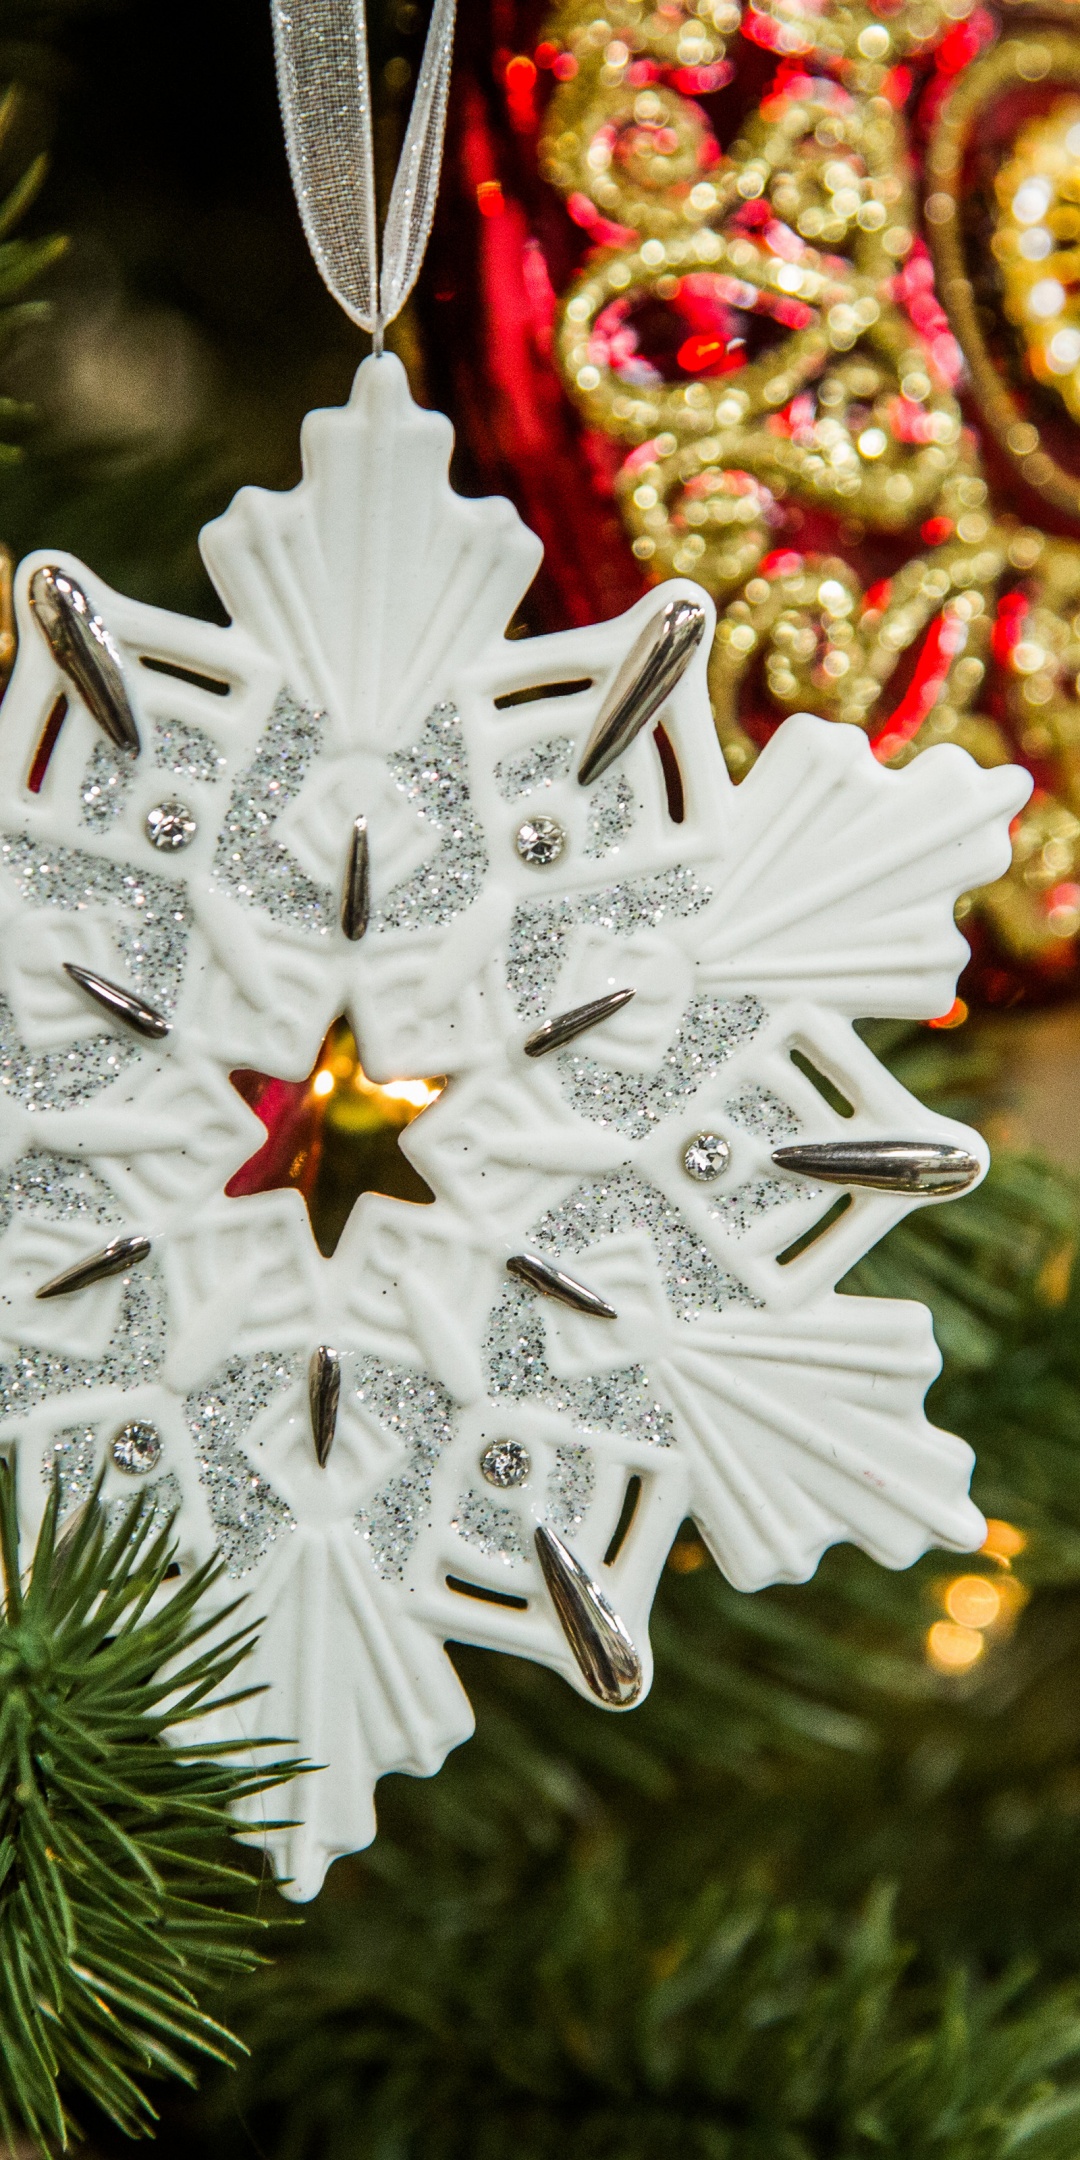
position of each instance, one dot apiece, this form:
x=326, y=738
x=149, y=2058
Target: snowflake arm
x=842, y=877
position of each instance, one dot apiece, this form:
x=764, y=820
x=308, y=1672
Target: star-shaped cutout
x=333, y=1136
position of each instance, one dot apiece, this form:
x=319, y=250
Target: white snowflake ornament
x=520, y=866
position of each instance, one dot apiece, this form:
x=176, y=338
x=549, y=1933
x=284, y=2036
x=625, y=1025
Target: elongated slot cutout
x=627, y=1513
x=50, y=735
x=826, y=1088
x=212, y=683
x=542, y=690
x=669, y=766
x=817, y=1230
x=486, y=1596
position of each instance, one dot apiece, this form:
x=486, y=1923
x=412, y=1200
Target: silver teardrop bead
x=563, y=1028
x=553, y=1283
x=660, y=657
x=904, y=1166
x=324, y=1395
x=114, y=1259
x=356, y=891
x=85, y=652
x=603, y=1651
x=121, y=1003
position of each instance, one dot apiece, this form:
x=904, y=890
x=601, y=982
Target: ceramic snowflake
x=519, y=868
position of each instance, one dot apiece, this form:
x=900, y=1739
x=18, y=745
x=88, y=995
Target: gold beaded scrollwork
x=1015, y=60
x=838, y=395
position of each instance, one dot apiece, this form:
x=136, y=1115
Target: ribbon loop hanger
x=324, y=83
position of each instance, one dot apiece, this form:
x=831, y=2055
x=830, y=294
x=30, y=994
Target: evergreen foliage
x=24, y=165
x=114, y=1917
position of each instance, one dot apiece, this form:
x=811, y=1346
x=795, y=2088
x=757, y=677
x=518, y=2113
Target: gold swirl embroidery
x=828, y=386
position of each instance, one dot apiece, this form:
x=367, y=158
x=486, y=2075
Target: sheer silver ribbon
x=324, y=82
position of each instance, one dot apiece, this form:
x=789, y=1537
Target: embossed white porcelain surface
x=363, y=665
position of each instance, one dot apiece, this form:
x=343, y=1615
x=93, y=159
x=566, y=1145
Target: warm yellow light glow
x=686, y=1556
x=973, y=1601
x=1003, y=1541
x=394, y=1103
x=1014, y=1596
x=952, y=1648
x=419, y=1093
x=323, y=1083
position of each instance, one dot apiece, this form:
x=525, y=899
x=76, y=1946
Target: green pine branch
x=22, y=261
x=116, y=1909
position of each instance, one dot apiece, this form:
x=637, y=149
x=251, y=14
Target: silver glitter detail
x=705, y=1157
x=505, y=1463
x=738, y=1211
x=62, y=1188
x=495, y=1530
x=434, y=774
x=602, y=1206
x=136, y=1448
x=133, y=1355
x=515, y=1351
x=72, y=1459
x=57, y=1079
x=246, y=1511
x=634, y=1103
x=108, y=776
x=612, y=811
x=248, y=862
x=540, y=930
x=538, y=766
x=153, y=914
x=419, y=1412
x=165, y=1497
x=758, y=1110
x=571, y=1484
x=170, y=826
x=187, y=751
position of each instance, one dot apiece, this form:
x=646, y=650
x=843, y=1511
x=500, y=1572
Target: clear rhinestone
x=705, y=1157
x=540, y=841
x=505, y=1463
x=136, y=1448
x=170, y=825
